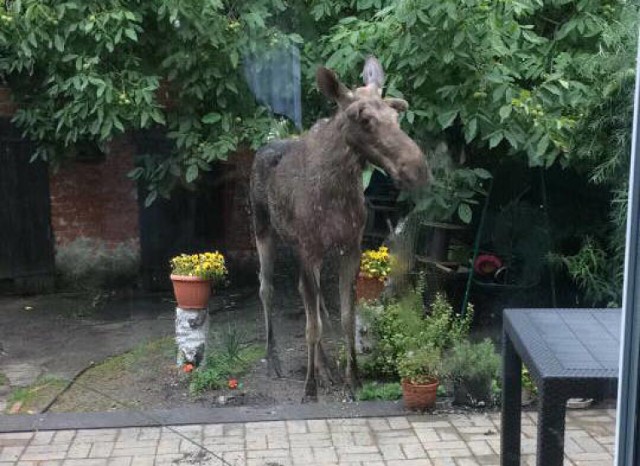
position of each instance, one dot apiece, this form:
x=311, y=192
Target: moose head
x=371, y=127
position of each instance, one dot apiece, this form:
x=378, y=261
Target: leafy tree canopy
x=87, y=70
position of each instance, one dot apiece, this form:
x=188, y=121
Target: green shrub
x=90, y=264
x=421, y=366
x=473, y=367
x=402, y=325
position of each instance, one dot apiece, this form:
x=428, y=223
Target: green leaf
x=446, y=118
x=543, y=144
x=131, y=34
x=135, y=173
x=471, y=129
x=192, y=173
x=58, y=43
x=504, y=112
x=367, y=173
x=410, y=116
x=482, y=173
x=233, y=56
x=495, y=139
x=211, y=118
x=151, y=197
x=465, y=213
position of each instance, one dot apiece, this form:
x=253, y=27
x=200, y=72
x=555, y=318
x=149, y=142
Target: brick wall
x=96, y=199
x=7, y=106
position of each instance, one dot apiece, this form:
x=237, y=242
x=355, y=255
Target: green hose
x=476, y=247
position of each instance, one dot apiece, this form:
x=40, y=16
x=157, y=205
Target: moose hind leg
x=310, y=291
x=348, y=269
x=266, y=249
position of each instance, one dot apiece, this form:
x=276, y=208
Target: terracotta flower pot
x=368, y=289
x=191, y=292
x=419, y=396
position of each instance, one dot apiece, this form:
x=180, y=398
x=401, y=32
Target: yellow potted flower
x=375, y=266
x=193, y=275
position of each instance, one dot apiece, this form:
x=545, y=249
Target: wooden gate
x=26, y=239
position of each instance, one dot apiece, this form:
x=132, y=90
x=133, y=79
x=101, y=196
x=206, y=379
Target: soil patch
x=148, y=377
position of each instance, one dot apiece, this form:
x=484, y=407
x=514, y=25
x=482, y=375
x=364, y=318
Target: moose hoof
x=273, y=366
x=309, y=399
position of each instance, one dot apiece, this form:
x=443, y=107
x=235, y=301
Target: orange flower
x=187, y=368
x=233, y=384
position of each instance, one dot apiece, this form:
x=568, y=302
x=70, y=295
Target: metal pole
x=628, y=403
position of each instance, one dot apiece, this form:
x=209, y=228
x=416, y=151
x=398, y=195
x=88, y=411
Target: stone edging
x=185, y=416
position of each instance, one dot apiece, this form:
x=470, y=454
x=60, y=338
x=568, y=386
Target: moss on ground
x=36, y=396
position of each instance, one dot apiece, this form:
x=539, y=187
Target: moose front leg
x=348, y=269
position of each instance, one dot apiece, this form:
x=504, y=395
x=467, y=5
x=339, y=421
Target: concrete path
x=429, y=440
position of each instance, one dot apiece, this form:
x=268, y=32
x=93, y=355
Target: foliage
x=506, y=73
x=527, y=381
x=228, y=356
x=402, y=325
x=208, y=265
x=380, y=391
x=376, y=264
x=90, y=70
x=592, y=270
x=473, y=361
x=421, y=365
x=551, y=81
x=518, y=234
x=453, y=191
x=451, y=195
x=602, y=149
x=90, y=264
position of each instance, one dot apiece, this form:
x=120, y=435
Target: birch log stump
x=192, y=329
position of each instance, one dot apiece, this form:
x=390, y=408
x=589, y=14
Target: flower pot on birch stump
x=191, y=292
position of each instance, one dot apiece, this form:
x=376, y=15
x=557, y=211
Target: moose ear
x=399, y=105
x=373, y=74
x=332, y=88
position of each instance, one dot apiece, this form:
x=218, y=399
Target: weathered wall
x=96, y=199
x=7, y=106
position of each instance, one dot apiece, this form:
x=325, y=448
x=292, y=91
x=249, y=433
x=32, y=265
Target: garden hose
x=476, y=247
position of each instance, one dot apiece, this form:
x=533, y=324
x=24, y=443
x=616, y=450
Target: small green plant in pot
x=420, y=371
x=472, y=367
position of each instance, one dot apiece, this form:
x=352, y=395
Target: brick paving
x=455, y=440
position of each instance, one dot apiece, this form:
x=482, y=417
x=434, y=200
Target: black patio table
x=570, y=353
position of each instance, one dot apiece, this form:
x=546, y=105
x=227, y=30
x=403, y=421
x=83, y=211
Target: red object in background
x=487, y=264
x=233, y=384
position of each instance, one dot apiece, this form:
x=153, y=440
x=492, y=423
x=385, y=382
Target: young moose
x=309, y=192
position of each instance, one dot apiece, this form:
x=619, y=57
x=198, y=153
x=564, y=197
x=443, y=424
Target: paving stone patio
x=429, y=440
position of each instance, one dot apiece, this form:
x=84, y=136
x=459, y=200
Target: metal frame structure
x=628, y=419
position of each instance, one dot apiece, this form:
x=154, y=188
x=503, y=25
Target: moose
x=309, y=192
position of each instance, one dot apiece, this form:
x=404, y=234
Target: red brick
x=96, y=200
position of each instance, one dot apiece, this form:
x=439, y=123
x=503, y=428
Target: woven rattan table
x=569, y=353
